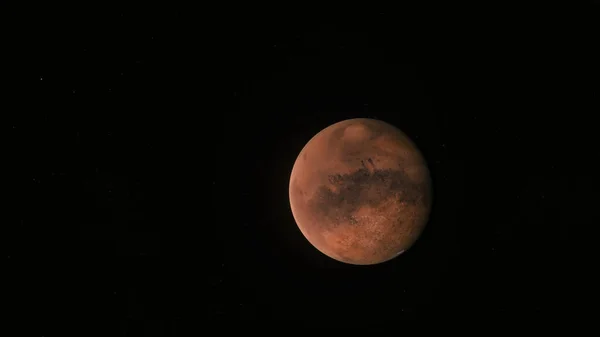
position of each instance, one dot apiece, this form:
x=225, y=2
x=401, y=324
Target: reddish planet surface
x=360, y=191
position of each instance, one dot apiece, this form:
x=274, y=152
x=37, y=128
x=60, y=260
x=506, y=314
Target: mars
x=360, y=192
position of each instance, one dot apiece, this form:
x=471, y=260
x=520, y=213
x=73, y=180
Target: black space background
x=150, y=149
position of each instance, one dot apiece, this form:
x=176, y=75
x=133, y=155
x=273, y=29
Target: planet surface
x=360, y=191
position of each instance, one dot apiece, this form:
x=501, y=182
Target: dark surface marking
x=337, y=207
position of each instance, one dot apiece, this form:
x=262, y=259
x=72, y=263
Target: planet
x=360, y=191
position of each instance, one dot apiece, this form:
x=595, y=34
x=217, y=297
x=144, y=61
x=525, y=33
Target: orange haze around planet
x=360, y=191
